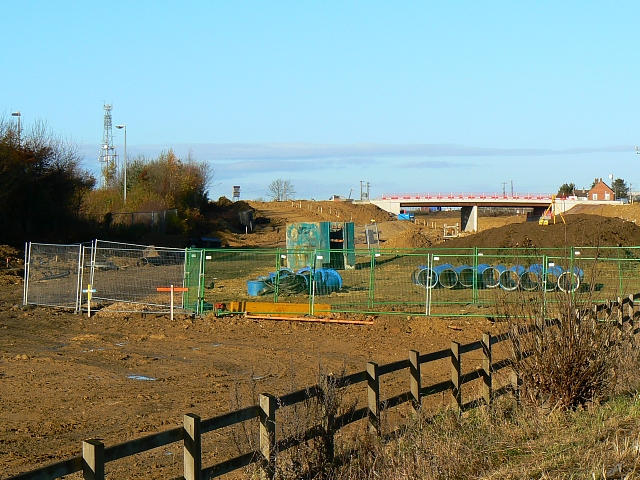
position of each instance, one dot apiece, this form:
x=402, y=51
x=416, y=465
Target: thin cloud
x=242, y=155
x=436, y=164
x=217, y=152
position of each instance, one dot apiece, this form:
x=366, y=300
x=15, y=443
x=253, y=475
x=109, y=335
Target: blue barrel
x=447, y=276
x=327, y=280
x=255, y=287
x=510, y=278
x=570, y=280
x=465, y=276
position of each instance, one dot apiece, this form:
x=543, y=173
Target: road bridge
x=469, y=203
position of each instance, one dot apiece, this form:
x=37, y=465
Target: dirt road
x=65, y=378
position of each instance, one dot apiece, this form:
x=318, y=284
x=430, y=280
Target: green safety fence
x=436, y=281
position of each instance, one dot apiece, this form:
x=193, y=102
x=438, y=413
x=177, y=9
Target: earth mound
x=580, y=230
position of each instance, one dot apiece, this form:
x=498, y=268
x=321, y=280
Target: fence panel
x=400, y=280
x=235, y=276
x=342, y=289
x=52, y=275
x=436, y=281
x=193, y=280
x=130, y=274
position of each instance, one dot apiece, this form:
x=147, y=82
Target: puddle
x=217, y=345
x=141, y=377
x=122, y=344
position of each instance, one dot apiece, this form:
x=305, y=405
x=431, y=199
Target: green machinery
x=333, y=242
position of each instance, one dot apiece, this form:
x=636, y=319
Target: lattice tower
x=108, y=157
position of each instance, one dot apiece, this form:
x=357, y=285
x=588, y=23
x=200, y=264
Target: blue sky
x=410, y=96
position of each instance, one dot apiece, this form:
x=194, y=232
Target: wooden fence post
x=93, y=460
x=416, y=382
x=268, y=435
x=487, y=380
x=620, y=319
x=373, y=389
x=192, y=447
x=456, y=373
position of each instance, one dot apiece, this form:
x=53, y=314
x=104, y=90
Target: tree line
x=46, y=194
x=41, y=183
x=619, y=187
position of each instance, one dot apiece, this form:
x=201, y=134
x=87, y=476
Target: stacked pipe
x=512, y=278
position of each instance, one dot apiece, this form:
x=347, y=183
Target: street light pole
x=125, y=161
x=19, y=115
x=613, y=187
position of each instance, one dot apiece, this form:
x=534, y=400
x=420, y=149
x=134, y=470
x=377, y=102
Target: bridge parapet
x=467, y=196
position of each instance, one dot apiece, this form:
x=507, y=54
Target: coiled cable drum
x=570, y=280
x=465, y=276
x=489, y=276
x=286, y=280
x=447, y=276
x=529, y=280
x=510, y=278
x=424, y=276
x=548, y=282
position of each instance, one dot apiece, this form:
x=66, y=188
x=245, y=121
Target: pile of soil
x=410, y=238
x=324, y=211
x=580, y=230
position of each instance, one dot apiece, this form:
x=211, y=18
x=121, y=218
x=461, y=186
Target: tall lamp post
x=125, y=160
x=615, y=195
x=17, y=114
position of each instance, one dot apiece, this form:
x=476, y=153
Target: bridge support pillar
x=469, y=218
x=535, y=215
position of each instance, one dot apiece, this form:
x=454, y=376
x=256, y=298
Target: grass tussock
x=507, y=442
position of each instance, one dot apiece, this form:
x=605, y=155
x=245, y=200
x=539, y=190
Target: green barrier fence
x=435, y=282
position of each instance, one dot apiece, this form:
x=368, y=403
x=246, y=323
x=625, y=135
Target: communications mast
x=108, y=158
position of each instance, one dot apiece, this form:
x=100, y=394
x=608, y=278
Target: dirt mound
x=413, y=238
x=272, y=218
x=580, y=229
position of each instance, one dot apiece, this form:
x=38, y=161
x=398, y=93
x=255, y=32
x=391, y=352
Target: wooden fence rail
x=95, y=456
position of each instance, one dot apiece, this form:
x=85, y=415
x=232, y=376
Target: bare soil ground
x=65, y=377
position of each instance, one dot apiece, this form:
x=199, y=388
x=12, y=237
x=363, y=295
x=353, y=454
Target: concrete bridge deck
x=469, y=203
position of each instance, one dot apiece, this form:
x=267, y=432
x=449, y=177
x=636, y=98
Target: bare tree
x=280, y=190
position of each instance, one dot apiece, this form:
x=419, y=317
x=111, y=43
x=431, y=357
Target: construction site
x=265, y=313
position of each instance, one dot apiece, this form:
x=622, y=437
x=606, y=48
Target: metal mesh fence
x=436, y=281
x=52, y=275
x=131, y=274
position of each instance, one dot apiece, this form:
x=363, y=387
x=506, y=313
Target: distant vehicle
x=205, y=242
x=404, y=215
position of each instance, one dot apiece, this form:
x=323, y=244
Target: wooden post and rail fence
x=95, y=455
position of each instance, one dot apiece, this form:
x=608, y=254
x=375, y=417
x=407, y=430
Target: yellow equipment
x=550, y=213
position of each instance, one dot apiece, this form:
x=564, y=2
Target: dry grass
x=507, y=442
x=578, y=416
